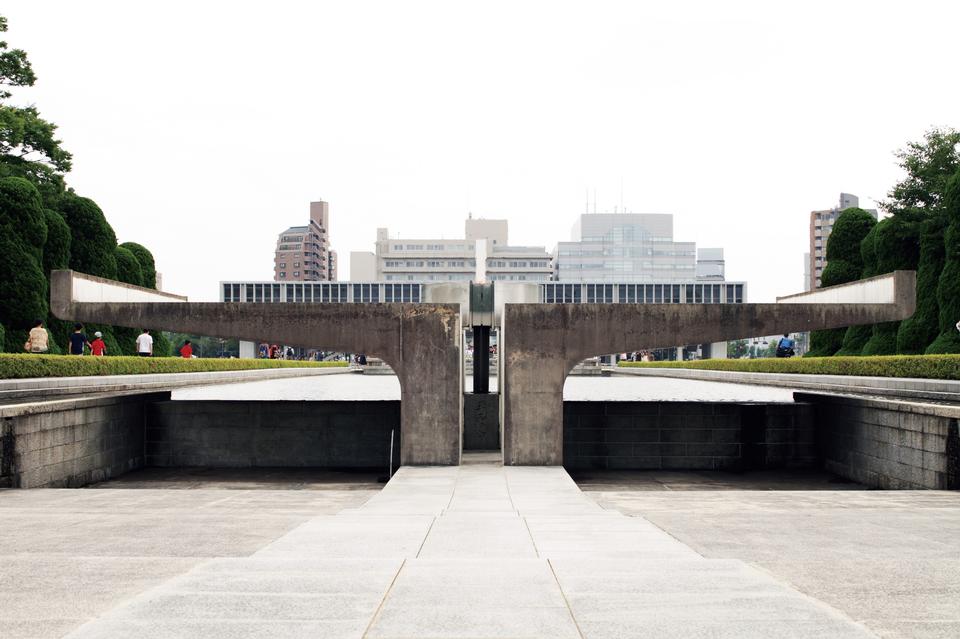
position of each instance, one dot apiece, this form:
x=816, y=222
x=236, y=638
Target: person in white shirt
x=145, y=344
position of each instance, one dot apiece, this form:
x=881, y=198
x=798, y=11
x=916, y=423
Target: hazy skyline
x=204, y=129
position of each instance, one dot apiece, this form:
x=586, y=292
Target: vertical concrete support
x=541, y=343
x=421, y=342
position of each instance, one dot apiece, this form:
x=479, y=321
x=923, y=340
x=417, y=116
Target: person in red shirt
x=97, y=347
x=186, y=351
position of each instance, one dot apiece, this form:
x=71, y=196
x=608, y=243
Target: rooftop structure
x=303, y=252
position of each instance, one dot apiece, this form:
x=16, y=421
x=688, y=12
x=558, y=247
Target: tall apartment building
x=303, y=252
x=439, y=260
x=821, y=225
x=632, y=247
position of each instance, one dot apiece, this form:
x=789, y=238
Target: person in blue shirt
x=785, y=346
x=78, y=340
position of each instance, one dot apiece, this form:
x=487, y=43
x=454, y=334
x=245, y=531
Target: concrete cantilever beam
x=541, y=343
x=421, y=342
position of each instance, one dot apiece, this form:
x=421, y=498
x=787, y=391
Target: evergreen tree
x=948, y=288
x=93, y=244
x=897, y=247
x=844, y=264
x=856, y=336
x=23, y=287
x=145, y=259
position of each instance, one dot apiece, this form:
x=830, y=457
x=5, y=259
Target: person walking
x=145, y=344
x=98, y=348
x=78, y=340
x=186, y=351
x=785, y=346
x=38, y=341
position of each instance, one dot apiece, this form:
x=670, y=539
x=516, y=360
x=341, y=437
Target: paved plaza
x=478, y=551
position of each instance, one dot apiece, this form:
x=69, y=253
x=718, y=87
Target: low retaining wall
x=888, y=444
x=70, y=443
x=241, y=434
x=688, y=436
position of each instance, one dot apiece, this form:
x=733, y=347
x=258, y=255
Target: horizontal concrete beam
x=420, y=342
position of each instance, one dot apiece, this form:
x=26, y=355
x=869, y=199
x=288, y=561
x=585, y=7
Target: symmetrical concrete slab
x=420, y=342
x=475, y=551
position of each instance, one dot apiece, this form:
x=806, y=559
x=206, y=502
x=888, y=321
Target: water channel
x=386, y=387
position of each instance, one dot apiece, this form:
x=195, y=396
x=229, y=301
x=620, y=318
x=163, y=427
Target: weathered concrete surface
x=888, y=559
x=541, y=343
x=68, y=556
x=888, y=443
x=688, y=436
x=245, y=434
x=72, y=442
x=421, y=342
x=472, y=551
x=481, y=421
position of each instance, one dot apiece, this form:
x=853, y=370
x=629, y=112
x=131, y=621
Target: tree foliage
x=928, y=165
x=145, y=259
x=128, y=268
x=23, y=232
x=844, y=264
x=93, y=248
x=948, y=287
x=56, y=252
x=896, y=247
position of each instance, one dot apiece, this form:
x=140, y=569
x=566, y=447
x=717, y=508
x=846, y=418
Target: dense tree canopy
x=844, y=264
x=948, y=287
x=145, y=259
x=128, y=268
x=23, y=232
x=94, y=244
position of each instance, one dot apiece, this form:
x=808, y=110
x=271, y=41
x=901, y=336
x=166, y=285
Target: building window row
x=642, y=293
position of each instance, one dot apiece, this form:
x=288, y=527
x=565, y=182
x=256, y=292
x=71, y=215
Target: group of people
x=38, y=342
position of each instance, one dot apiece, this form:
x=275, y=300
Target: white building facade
x=446, y=260
x=632, y=247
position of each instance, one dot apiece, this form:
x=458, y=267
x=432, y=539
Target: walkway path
x=474, y=551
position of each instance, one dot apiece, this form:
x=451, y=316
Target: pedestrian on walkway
x=186, y=351
x=38, y=341
x=98, y=347
x=145, y=344
x=78, y=340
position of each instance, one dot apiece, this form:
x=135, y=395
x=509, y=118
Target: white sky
x=203, y=129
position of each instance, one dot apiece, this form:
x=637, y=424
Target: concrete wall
x=888, y=444
x=71, y=443
x=541, y=343
x=328, y=434
x=688, y=436
x=481, y=421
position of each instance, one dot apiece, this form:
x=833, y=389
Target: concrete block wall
x=73, y=443
x=888, y=443
x=687, y=436
x=239, y=434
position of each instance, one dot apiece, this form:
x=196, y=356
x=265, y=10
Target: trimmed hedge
x=23, y=365
x=923, y=366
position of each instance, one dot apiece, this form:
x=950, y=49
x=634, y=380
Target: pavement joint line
x=669, y=534
x=532, y=540
x=425, y=537
x=383, y=600
x=566, y=602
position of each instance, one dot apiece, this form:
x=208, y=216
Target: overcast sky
x=203, y=129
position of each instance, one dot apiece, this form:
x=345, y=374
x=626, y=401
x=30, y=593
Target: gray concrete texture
x=688, y=436
x=234, y=434
x=541, y=343
x=478, y=550
x=420, y=342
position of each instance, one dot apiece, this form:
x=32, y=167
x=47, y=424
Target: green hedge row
x=19, y=366
x=925, y=366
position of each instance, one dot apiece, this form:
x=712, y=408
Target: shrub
x=24, y=365
x=23, y=231
x=56, y=251
x=93, y=242
x=844, y=264
x=128, y=268
x=897, y=247
x=917, y=332
x=145, y=259
x=921, y=366
x=948, y=288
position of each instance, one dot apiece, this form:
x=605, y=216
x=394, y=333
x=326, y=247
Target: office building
x=303, y=252
x=445, y=260
x=821, y=225
x=632, y=247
